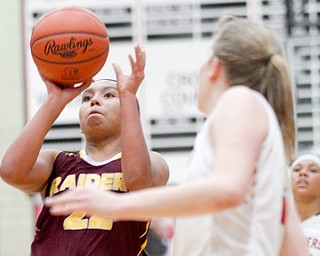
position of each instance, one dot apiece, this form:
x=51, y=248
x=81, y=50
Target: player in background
x=305, y=179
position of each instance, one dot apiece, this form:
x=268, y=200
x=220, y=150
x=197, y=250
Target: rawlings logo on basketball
x=67, y=50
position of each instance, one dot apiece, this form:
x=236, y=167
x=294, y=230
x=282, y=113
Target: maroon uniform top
x=76, y=234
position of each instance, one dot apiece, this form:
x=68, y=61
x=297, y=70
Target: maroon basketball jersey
x=76, y=234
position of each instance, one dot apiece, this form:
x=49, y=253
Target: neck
x=102, y=150
x=306, y=208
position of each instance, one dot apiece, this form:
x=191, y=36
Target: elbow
x=6, y=175
x=11, y=175
x=138, y=176
x=234, y=199
x=137, y=183
x=230, y=198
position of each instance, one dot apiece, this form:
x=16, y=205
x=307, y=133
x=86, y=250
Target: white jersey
x=253, y=228
x=311, y=230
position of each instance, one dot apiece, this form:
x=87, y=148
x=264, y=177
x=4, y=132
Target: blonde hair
x=253, y=57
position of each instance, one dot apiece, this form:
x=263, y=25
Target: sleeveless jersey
x=311, y=230
x=76, y=234
x=253, y=228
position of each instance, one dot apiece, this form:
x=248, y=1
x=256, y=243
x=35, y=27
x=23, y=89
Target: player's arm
x=293, y=242
x=140, y=168
x=23, y=165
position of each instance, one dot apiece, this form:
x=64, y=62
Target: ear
x=214, y=69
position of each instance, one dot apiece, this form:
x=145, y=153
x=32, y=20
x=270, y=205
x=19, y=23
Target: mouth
x=93, y=112
x=302, y=183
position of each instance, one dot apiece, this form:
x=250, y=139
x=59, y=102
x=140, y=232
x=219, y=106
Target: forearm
x=135, y=155
x=23, y=152
x=293, y=242
x=205, y=196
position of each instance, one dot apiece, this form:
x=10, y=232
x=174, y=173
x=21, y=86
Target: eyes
x=314, y=170
x=311, y=169
x=89, y=96
x=86, y=98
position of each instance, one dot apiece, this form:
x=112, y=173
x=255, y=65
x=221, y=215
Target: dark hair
x=106, y=79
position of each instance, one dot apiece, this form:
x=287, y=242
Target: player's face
x=208, y=91
x=100, y=108
x=305, y=178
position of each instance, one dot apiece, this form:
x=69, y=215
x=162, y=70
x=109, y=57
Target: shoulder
x=239, y=100
x=239, y=109
x=57, y=157
x=158, y=159
x=160, y=169
x=238, y=94
x=49, y=155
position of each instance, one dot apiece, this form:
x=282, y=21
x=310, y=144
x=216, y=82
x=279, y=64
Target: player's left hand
x=131, y=83
x=90, y=199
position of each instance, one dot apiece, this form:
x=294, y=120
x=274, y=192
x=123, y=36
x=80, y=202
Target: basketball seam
x=87, y=11
x=72, y=63
x=74, y=33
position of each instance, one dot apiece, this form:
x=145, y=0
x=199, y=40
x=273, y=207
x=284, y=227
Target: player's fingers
x=143, y=58
x=117, y=70
x=87, y=84
x=119, y=74
x=64, y=209
x=140, y=56
x=61, y=199
x=134, y=67
x=83, y=86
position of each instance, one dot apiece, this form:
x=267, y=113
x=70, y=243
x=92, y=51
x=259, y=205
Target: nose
x=303, y=172
x=94, y=102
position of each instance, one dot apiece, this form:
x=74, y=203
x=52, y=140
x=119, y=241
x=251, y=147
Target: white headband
x=309, y=157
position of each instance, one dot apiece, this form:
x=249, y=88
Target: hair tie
x=268, y=58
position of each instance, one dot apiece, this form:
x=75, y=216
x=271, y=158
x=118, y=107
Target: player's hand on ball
x=64, y=94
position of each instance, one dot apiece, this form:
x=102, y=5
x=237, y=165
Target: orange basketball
x=69, y=45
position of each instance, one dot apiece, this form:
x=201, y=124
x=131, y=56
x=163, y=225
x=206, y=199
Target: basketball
x=69, y=45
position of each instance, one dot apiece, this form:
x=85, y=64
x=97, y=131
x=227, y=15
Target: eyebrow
x=308, y=165
x=105, y=88
x=313, y=165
